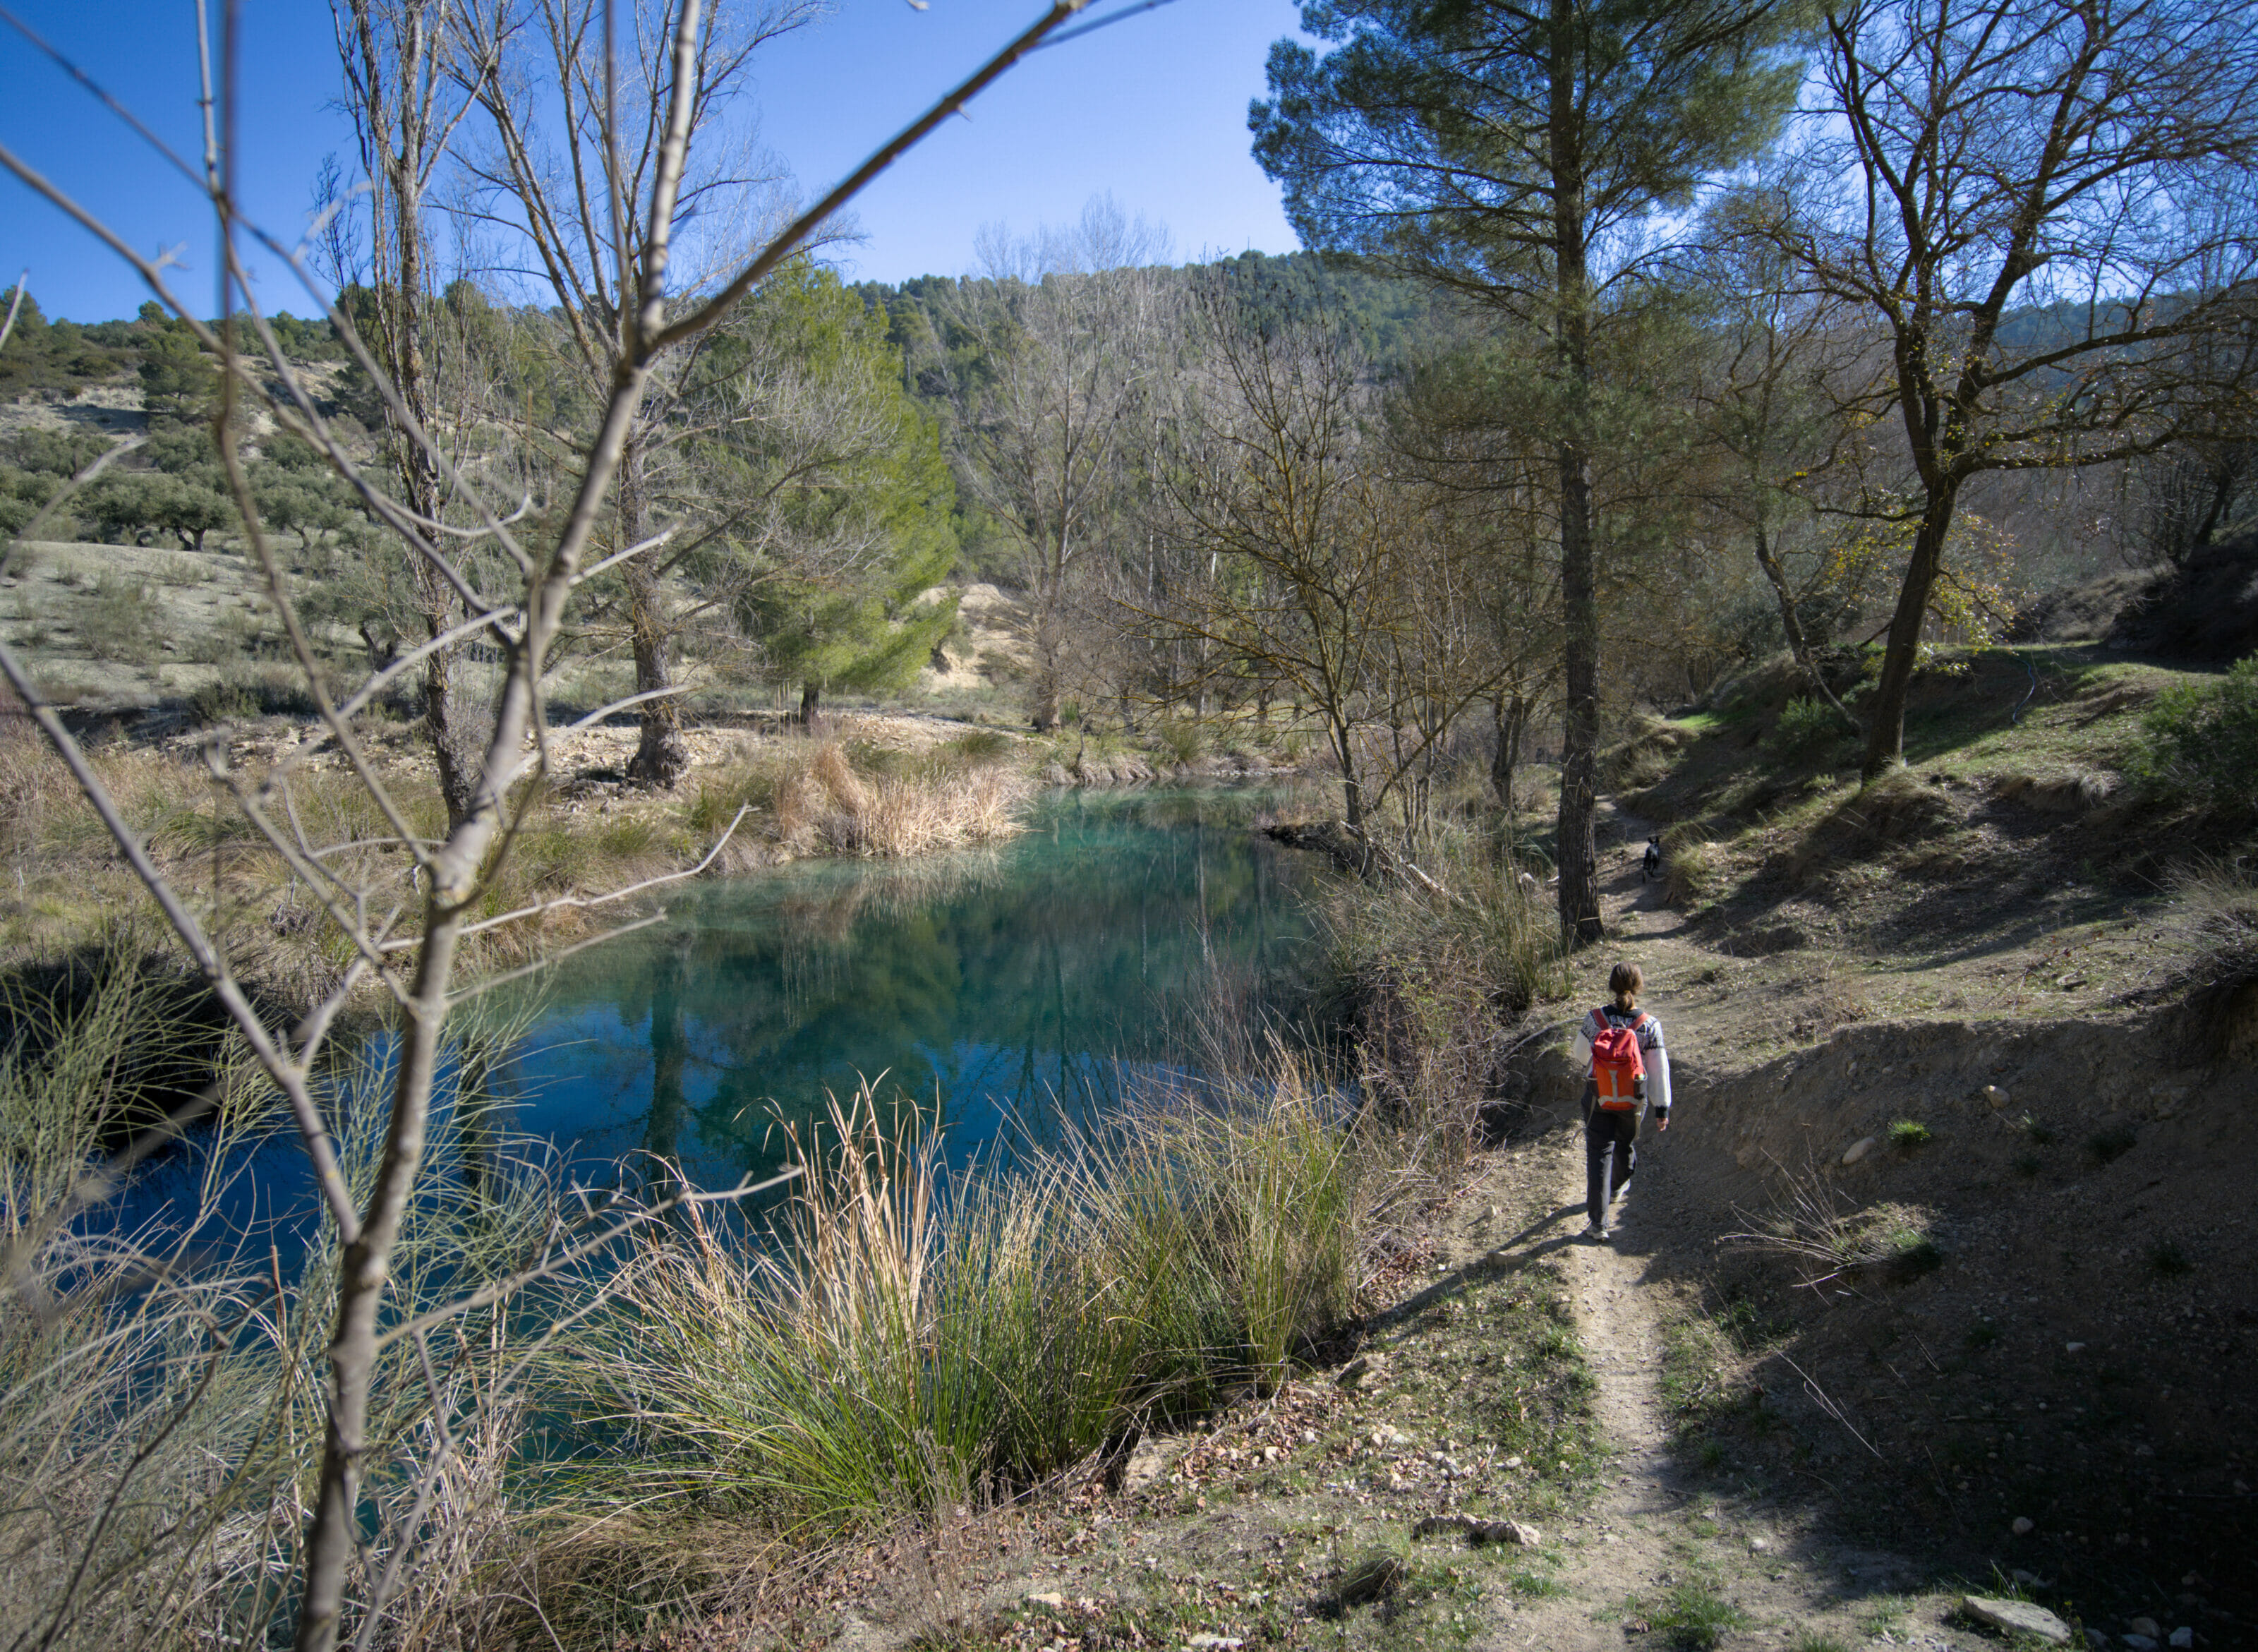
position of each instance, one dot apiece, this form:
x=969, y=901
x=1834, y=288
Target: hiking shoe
x=1597, y=1234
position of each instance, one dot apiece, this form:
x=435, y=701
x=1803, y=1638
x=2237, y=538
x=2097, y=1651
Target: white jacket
x=1650, y=1053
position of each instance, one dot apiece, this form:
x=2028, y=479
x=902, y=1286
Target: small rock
x=2097, y=1640
x=1513, y=1462
x=1215, y=1643
x=1363, y=1370
x=2141, y=1642
x=2183, y=1636
x=2017, y=1617
x=1994, y=1095
x=2073, y=1348
x=1145, y=1466
x=2149, y=1627
x=1055, y=1602
x=1760, y=1544
x=1387, y=1434
x=1859, y=1149
x=2022, y=1526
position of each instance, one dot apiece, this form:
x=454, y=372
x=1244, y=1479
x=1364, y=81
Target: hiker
x=1628, y=1068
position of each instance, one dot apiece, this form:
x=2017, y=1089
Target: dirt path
x=1660, y=1544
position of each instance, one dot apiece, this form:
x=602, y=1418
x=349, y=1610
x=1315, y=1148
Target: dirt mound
x=2205, y=611
x=2081, y=614
x=1895, y=809
x=1999, y=1268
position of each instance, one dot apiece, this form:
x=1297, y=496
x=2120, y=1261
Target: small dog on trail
x=1649, y=864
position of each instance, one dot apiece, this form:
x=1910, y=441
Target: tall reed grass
x=905, y=1341
x=161, y=1422
x=1431, y=978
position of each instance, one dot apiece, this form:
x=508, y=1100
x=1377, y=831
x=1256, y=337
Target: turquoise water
x=1006, y=991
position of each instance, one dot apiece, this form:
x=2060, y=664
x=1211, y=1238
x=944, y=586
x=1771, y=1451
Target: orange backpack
x=1618, y=1069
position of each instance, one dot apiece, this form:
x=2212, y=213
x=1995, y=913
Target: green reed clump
x=907, y=1341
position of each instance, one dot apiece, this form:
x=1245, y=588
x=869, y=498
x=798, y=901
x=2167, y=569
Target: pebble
x=1055, y=1602
x=1859, y=1149
x=2073, y=1348
x=1215, y=1643
x=2022, y=1526
x=1759, y=1544
x=2141, y=1642
x=2183, y=1636
x=2145, y=1626
x=1994, y=1095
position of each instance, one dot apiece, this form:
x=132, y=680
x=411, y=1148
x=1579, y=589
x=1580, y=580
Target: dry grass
x=942, y=801
x=61, y=882
x=160, y=1418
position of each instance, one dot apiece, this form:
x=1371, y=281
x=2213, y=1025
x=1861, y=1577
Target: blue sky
x=1153, y=110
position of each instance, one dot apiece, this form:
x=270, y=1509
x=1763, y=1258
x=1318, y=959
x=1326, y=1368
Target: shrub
x=2202, y=740
x=245, y=693
x=1806, y=730
x=1908, y=1134
x=119, y=622
x=1182, y=740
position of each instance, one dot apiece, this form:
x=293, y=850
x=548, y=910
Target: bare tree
x=401, y=904
x=1072, y=331
x=1310, y=563
x=576, y=193
x=1769, y=387
x=2043, y=201
x=406, y=108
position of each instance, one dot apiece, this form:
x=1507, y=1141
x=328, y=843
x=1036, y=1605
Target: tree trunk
x=1792, y=623
x=662, y=757
x=1352, y=788
x=1510, y=721
x=1885, y=739
x=811, y=705
x=1579, y=752
x=333, y=1532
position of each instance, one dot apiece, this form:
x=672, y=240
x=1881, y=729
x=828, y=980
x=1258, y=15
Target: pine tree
x=1515, y=153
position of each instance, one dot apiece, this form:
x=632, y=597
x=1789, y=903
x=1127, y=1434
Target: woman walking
x=1629, y=1067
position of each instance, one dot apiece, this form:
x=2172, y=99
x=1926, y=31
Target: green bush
x=2202, y=740
x=119, y=622
x=1807, y=730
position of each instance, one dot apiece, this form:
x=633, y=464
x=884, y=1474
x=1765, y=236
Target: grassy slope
x=2031, y=1302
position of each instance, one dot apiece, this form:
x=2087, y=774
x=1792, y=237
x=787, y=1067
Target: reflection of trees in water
x=1004, y=986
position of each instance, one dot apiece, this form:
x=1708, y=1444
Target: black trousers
x=1610, y=1155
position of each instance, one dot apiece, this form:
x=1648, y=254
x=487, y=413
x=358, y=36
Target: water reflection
x=1013, y=984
